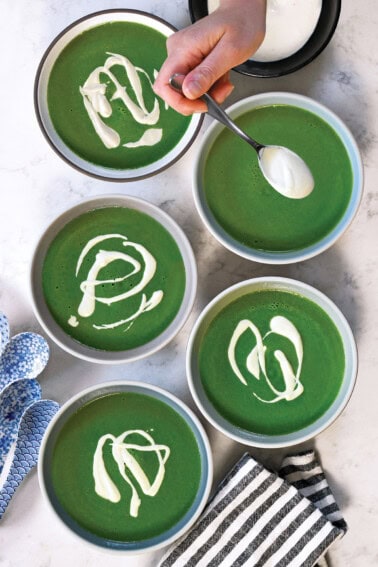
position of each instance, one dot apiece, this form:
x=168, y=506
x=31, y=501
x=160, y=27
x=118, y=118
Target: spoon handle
x=217, y=112
x=32, y=428
x=14, y=399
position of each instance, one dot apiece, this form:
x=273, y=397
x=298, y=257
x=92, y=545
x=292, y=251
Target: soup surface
x=271, y=362
x=101, y=101
x=126, y=467
x=113, y=278
x=249, y=209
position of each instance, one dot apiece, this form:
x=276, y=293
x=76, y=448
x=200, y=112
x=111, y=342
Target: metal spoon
x=284, y=170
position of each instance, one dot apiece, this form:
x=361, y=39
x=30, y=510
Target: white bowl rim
x=86, y=352
x=322, y=111
x=65, y=153
x=288, y=440
x=150, y=389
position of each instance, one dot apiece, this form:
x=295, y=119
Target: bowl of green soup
x=126, y=466
x=241, y=209
x=94, y=99
x=113, y=279
x=271, y=362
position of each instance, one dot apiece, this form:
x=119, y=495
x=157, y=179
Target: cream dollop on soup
x=289, y=25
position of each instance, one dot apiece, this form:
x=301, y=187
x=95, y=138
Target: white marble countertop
x=36, y=186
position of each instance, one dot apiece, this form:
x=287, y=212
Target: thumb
x=202, y=77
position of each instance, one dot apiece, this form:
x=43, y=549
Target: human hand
x=205, y=52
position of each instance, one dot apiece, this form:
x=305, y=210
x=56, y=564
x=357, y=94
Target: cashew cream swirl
x=103, y=258
x=256, y=360
x=99, y=107
x=128, y=467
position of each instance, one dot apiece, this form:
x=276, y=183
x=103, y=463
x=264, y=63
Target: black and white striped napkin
x=257, y=518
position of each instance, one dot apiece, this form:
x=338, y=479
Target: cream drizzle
x=98, y=106
x=106, y=488
x=145, y=305
x=150, y=137
x=102, y=259
x=256, y=359
x=73, y=321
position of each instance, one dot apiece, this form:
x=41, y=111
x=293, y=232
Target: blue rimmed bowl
x=147, y=544
x=99, y=355
x=220, y=229
x=238, y=431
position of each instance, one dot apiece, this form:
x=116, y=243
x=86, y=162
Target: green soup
x=254, y=214
x=100, y=97
x=271, y=362
x=113, y=278
x=144, y=434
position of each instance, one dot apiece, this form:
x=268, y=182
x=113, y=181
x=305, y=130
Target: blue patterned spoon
x=14, y=400
x=32, y=428
x=24, y=356
x=4, y=331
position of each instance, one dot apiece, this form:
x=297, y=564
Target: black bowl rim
x=327, y=24
x=39, y=118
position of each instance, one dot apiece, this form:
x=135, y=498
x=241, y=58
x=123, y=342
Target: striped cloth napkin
x=257, y=518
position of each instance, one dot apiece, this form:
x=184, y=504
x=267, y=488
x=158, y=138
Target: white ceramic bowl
x=280, y=257
x=41, y=106
x=315, y=44
x=71, y=345
x=46, y=457
x=194, y=378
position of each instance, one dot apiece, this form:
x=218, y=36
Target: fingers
x=212, y=74
x=186, y=50
x=205, y=52
x=222, y=89
x=175, y=100
x=212, y=70
x=219, y=91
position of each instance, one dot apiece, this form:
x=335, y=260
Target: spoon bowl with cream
x=284, y=170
